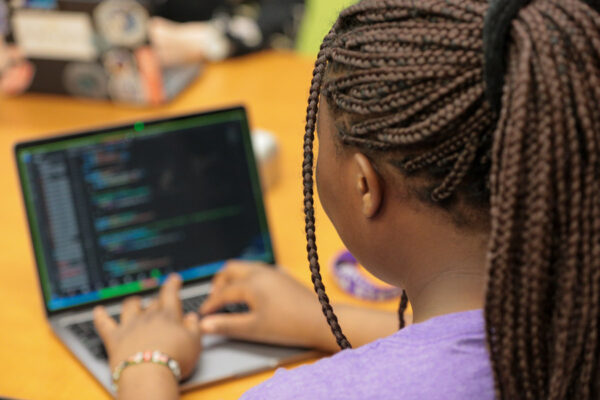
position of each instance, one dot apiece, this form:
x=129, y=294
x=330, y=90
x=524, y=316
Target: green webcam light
x=138, y=126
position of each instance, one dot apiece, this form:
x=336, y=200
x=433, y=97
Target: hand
x=16, y=73
x=180, y=43
x=282, y=311
x=159, y=327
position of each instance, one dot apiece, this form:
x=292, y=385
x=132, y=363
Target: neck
x=443, y=267
x=448, y=292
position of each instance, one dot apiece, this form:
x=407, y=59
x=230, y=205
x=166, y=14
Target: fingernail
x=193, y=317
x=208, y=325
x=204, y=307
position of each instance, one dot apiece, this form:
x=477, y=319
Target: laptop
x=91, y=48
x=113, y=211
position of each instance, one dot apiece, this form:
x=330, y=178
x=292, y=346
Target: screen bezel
x=254, y=177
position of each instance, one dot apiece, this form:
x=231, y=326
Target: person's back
x=444, y=358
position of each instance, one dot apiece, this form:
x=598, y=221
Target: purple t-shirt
x=444, y=358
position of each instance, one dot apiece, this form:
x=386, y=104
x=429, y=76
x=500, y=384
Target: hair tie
x=498, y=19
x=595, y=4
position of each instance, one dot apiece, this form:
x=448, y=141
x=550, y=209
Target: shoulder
x=420, y=362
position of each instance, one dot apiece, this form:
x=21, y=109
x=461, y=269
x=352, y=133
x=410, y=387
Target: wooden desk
x=274, y=87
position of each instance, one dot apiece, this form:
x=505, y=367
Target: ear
x=368, y=185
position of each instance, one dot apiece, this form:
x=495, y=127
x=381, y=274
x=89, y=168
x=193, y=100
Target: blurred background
x=146, y=51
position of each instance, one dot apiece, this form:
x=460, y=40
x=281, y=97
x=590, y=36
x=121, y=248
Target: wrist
x=147, y=376
x=146, y=371
x=156, y=358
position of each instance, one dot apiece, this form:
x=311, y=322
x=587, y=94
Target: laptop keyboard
x=86, y=332
x=192, y=304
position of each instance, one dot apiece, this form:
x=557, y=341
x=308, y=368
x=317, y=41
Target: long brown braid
x=408, y=76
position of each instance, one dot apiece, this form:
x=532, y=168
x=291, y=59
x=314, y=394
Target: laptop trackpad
x=224, y=358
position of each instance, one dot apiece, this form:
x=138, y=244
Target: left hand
x=282, y=310
x=161, y=326
x=190, y=42
x=16, y=73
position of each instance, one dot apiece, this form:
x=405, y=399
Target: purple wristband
x=346, y=272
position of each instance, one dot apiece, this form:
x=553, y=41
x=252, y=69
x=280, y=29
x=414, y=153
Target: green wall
x=319, y=17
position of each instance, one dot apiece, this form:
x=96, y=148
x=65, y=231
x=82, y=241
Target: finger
x=104, y=324
x=238, y=326
x=232, y=272
x=233, y=293
x=169, y=296
x=190, y=321
x=161, y=21
x=219, y=281
x=158, y=31
x=153, y=306
x=131, y=308
x=156, y=23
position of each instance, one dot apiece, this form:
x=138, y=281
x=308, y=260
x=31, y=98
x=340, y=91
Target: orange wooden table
x=274, y=88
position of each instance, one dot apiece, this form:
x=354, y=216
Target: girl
x=458, y=159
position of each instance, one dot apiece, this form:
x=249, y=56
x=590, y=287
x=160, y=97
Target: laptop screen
x=113, y=212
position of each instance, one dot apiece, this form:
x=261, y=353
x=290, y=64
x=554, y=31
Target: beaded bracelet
x=155, y=357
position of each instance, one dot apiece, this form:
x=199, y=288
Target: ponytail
x=543, y=297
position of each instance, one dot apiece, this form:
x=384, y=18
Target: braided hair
x=495, y=105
